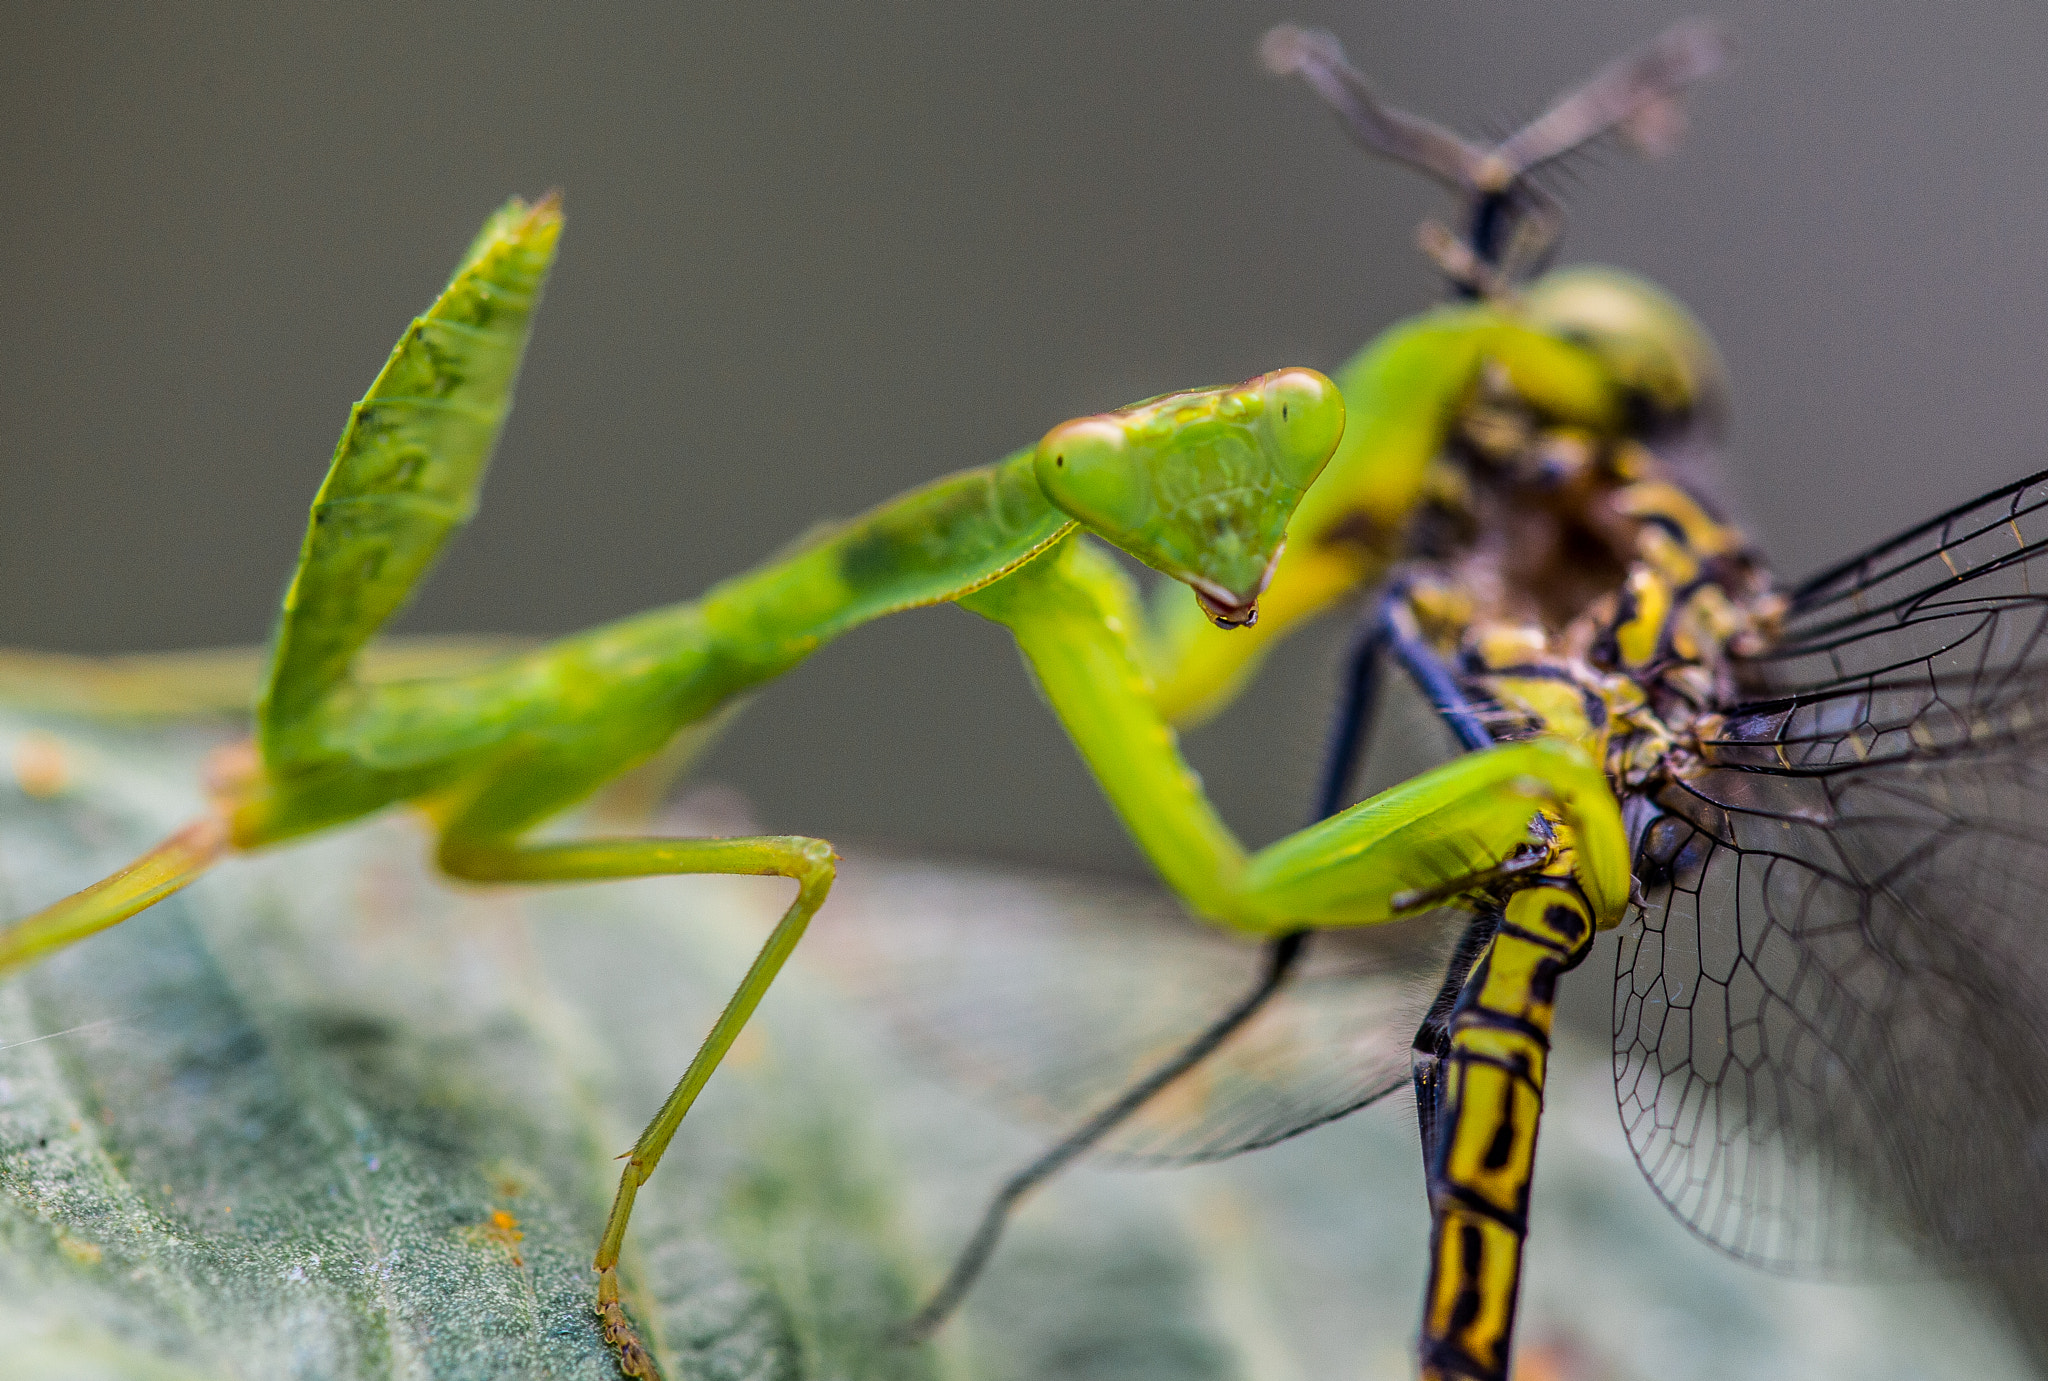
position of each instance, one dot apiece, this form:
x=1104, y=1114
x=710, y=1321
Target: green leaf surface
x=323, y=1117
x=326, y=1116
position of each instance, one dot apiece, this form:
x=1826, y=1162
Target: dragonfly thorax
x=1577, y=586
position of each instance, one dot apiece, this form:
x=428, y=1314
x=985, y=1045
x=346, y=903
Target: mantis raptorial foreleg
x=1462, y=827
x=808, y=862
x=1367, y=864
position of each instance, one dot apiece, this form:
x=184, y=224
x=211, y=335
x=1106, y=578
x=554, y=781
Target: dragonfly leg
x=808, y=862
x=1353, y=719
x=1433, y=1037
x=1281, y=956
x=1460, y=714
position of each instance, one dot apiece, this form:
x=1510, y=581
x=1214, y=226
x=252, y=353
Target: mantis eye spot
x=1088, y=471
x=1304, y=418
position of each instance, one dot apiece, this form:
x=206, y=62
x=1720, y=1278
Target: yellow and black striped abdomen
x=1485, y=1146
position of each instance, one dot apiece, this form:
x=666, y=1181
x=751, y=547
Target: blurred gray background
x=820, y=253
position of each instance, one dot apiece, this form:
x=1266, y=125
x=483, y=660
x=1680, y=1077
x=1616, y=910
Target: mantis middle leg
x=809, y=862
x=165, y=869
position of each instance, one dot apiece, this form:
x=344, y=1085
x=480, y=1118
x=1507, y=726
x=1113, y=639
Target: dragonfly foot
x=634, y=1358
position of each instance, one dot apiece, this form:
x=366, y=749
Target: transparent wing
x=1637, y=94
x=1315, y=55
x=1831, y=1028
x=1056, y=995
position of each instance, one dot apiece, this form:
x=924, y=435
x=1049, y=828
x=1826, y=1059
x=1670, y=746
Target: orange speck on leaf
x=500, y=1230
x=41, y=766
x=80, y=1251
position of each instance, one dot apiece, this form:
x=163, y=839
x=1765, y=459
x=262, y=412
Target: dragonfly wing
x=1831, y=1028
x=1056, y=995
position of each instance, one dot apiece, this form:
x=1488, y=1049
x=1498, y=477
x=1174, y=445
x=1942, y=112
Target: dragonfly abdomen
x=1492, y=1068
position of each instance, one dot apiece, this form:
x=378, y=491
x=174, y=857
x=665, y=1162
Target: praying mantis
x=1553, y=571
x=1278, y=497
x=1200, y=485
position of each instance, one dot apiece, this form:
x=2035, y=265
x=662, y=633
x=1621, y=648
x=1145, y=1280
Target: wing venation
x=1831, y=1026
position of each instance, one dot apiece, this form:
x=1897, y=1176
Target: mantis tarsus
x=1204, y=486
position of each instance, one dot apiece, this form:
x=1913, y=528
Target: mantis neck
x=930, y=546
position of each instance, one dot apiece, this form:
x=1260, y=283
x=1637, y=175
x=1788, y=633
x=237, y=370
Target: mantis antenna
x=1513, y=223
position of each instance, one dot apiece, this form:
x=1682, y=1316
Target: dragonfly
x=1828, y=1053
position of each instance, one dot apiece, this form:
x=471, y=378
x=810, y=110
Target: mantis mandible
x=1203, y=486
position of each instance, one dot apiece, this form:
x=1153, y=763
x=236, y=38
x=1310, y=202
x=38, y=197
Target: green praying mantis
x=1269, y=501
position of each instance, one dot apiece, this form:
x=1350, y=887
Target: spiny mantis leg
x=1282, y=953
x=809, y=862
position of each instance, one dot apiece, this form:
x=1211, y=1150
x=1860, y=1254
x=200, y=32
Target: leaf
x=322, y=1116
x=269, y=1128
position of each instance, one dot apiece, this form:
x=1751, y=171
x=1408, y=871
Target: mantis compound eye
x=1086, y=467
x=1303, y=420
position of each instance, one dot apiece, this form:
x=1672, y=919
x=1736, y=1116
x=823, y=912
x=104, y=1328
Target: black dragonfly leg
x=1281, y=955
x=1360, y=692
x=1340, y=764
x=1458, y=710
x=1433, y=1037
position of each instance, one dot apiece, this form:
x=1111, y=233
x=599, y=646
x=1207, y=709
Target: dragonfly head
x=1654, y=349
x=1199, y=485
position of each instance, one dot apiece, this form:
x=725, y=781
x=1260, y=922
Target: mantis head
x=1199, y=485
